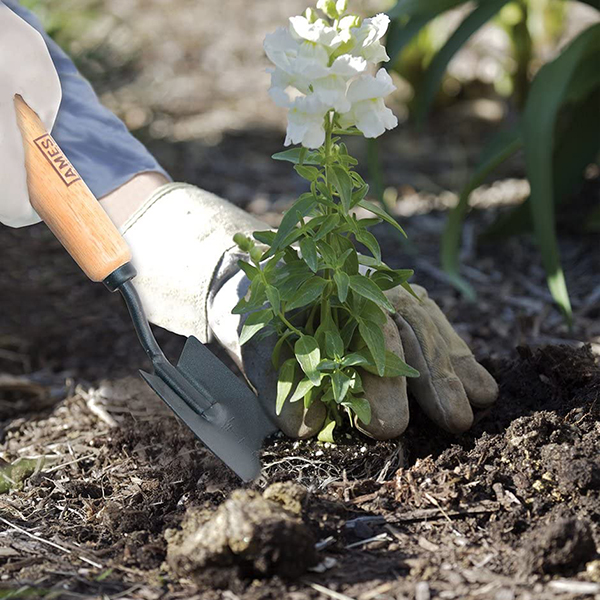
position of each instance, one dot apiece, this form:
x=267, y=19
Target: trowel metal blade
x=234, y=425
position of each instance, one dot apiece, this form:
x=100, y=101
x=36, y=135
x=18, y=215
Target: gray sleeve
x=94, y=139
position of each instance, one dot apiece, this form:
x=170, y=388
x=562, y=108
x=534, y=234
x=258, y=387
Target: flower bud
x=311, y=15
x=256, y=254
x=245, y=244
x=341, y=6
x=328, y=7
x=350, y=21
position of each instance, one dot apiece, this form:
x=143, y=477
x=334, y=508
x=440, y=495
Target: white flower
x=331, y=89
x=368, y=36
x=306, y=122
x=281, y=48
x=321, y=65
x=318, y=32
x=369, y=112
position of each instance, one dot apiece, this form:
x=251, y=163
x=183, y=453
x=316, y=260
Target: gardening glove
x=93, y=139
x=26, y=69
x=451, y=381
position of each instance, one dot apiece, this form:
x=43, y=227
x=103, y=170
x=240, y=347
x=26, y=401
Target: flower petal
x=368, y=87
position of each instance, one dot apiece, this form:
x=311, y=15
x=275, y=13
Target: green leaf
x=376, y=210
x=303, y=388
x=328, y=226
x=326, y=434
x=577, y=146
x=327, y=365
x=303, y=205
x=273, y=297
x=308, y=173
x=372, y=312
x=359, y=194
x=311, y=396
x=373, y=336
x=254, y=323
x=285, y=381
x=355, y=360
x=340, y=384
x=295, y=154
x=361, y=408
x=348, y=330
x=309, y=355
x=547, y=93
x=327, y=252
x=368, y=239
x=334, y=345
x=341, y=260
x=289, y=287
x=308, y=292
x=394, y=365
x=367, y=289
x=433, y=76
x=277, y=348
x=264, y=237
x=257, y=298
x=387, y=279
x=342, y=281
x=503, y=145
x=308, y=248
x=342, y=183
x=250, y=270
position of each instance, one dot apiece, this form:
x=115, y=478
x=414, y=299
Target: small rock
x=248, y=535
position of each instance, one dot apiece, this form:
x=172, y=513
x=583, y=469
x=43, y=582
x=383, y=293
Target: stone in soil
x=249, y=535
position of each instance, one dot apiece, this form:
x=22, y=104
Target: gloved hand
x=26, y=69
x=181, y=240
x=451, y=380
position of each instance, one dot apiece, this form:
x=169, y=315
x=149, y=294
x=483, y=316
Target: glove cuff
x=182, y=247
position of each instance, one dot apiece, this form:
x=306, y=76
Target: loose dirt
x=502, y=511
x=510, y=510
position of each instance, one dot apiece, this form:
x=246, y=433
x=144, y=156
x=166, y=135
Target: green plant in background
x=323, y=299
x=559, y=127
x=65, y=20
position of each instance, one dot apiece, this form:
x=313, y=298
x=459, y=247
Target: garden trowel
x=219, y=408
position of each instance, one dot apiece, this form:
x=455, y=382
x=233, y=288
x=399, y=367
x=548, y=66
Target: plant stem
x=328, y=211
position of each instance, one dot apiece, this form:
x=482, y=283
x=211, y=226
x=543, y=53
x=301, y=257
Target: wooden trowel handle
x=66, y=204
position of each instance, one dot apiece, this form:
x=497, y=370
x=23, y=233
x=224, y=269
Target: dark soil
x=509, y=507
x=509, y=510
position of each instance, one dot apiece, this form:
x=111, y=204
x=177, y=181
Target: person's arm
x=115, y=166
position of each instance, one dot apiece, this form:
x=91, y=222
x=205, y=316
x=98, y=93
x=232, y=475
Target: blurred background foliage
x=552, y=88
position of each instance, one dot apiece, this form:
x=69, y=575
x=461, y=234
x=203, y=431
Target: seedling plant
x=310, y=286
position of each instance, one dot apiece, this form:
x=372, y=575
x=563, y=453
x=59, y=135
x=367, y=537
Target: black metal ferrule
x=162, y=367
x=122, y=275
x=140, y=321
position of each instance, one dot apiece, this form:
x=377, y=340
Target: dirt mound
x=248, y=536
